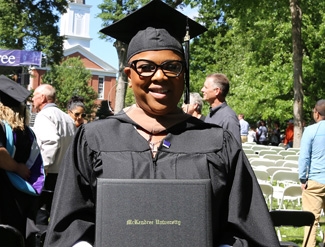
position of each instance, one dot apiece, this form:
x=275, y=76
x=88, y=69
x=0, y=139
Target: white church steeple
x=75, y=25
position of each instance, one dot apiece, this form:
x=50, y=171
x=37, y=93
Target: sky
x=105, y=49
x=99, y=47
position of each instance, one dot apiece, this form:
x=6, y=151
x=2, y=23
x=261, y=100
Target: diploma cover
x=153, y=212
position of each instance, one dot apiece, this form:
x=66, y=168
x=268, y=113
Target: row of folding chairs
x=271, y=154
x=281, y=184
x=263, y=163
x=274, y=149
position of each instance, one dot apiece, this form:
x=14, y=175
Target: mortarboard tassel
x=187, y=60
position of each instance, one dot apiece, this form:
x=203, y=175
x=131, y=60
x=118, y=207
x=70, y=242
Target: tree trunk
x=121, y=49
x=296, y=20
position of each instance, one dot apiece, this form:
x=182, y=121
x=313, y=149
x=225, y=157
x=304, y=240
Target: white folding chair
x=258, y=147
x=285, y=177
x=261, y=175
x=280, y=162
x=291, y=164
x=262, y=163
x=267, y=190
x=292, y=157
x=248, y=151
x=296, y=150
x=277, y=148
x=250, y=143
x=266, y=151
x=281, y=144
x=284, y=153
x=272, y=169
x=247, y=146
x=290, y=193
x=281, y=179
x=252, y=156
x=272, y=156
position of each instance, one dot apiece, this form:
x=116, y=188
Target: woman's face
x=157, y=94
x=77, y=114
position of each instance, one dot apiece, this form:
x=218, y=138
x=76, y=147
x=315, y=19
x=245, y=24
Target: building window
x=79, y=19
x=100, y=87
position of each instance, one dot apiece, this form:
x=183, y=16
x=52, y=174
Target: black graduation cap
x=12, y=93
x=156, y=26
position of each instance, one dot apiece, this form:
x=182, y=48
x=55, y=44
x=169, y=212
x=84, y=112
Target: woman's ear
x=127, y=71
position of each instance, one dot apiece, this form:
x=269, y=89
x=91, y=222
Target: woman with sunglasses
x=155, y=139
x=76, y=110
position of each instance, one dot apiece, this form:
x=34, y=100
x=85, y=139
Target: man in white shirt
x=54, y=130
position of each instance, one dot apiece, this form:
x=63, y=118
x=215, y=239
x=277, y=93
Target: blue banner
x=20, y=58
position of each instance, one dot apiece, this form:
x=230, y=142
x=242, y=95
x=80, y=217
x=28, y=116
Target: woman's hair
x=14, y=116
x=74, y=102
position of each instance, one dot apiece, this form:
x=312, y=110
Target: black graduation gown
x=17, y=207
x=112, y=148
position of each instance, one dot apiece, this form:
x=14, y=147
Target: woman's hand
x=23, y=171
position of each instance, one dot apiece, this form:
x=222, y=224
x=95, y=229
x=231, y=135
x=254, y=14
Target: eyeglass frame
x=77, y=114
x=132, y=65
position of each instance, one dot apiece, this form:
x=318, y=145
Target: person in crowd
x=262, y=133
x=251, y=137
x=275, y=138
x=152, y=139
x=76, y=110
x=54, y=130
x=215, y=90
x=244, y=127
x=194, y=108
x=21, y=166
x=312, y=168
x=288, y=138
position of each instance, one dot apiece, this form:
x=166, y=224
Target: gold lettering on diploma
x=153, y=222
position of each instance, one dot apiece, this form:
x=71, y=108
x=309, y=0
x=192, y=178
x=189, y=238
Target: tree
x=296, y=20
x=32, y=25
x=251, y=41
x=71, y=78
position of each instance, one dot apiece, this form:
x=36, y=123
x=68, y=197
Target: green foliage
x=251, y=42
x=129, y=98
x=71, y=78
x=32, y=25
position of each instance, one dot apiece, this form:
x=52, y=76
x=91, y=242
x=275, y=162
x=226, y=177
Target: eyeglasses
x=148, y=68
x=77, y=114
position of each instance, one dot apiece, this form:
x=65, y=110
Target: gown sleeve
x=73, y=215
x=246, y=219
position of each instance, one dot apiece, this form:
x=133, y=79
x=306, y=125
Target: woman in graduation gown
x=154, y=139
x=21, y=166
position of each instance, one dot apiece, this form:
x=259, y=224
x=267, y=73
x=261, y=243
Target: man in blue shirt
x=244, y=128
x=312, y=167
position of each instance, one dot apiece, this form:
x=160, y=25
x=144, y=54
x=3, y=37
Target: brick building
x=74, y=26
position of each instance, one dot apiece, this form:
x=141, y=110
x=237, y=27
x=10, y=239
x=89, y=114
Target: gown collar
x=155, y=124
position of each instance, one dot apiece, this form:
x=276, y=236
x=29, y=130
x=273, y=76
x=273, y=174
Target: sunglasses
x=77, y=114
